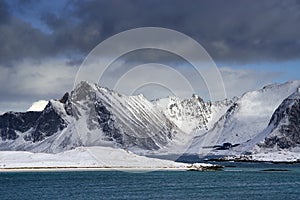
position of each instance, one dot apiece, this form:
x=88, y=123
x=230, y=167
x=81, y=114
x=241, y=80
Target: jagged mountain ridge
x=90, y=116
x=193, y=114
x=95, y=116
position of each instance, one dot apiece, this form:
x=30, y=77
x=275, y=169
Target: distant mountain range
x=259, y=121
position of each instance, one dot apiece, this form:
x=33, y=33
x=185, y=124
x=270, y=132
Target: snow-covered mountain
x=88, y=116
x=85, y=157
x=245, y=120
x=283, y=131
x=38, y=105
x=95, y=116
x=193, y=114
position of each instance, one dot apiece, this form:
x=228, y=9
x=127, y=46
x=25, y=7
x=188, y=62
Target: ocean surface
x=237, y=181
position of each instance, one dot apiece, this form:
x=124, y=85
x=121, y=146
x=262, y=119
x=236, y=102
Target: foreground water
x=244, y=181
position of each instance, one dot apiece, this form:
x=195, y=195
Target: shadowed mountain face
x=11, y=123
x=286, y=123
x=38, y=125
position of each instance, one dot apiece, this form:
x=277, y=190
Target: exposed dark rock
x=15, y=121
x=64, y=98
x=47, y=124
x=286, y=119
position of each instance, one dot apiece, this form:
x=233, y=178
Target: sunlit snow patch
x=38, y=106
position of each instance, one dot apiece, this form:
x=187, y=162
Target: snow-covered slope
x=103, y=157
x=194, y=116
x=38, y=106
x=281, y=138
x=128, y=121
x=90, y=115
x=245, y=119
x=283, y=132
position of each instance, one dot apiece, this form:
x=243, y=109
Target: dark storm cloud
x=235, y=31
x=4, y=14
x=229, y=30
x=19, y=40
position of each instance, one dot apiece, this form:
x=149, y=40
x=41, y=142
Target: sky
x=43, y=43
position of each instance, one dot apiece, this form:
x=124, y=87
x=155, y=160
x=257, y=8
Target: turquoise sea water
x=241, y=182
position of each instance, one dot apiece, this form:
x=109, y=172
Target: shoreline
x=182, y=167
x=72, y=168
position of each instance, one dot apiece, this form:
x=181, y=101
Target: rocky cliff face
x=285, y=123
x=12, y=123
x=36, y=125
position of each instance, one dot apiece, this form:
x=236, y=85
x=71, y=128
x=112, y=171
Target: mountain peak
x=85, y=85
x=196, y=97
x=83, y=91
